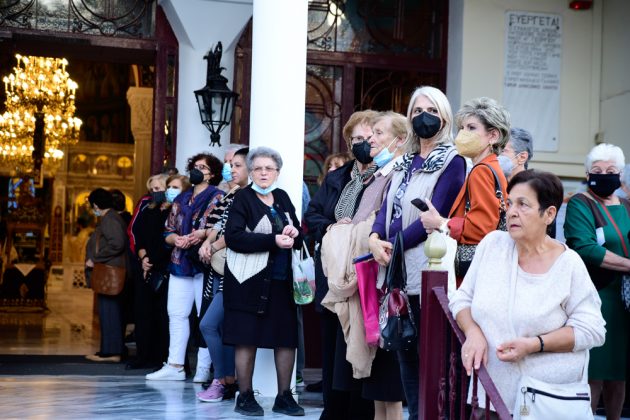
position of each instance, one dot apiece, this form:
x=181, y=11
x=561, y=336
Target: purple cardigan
x=444, y=194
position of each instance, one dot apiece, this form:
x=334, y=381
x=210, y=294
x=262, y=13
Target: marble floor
x=68, y=328
x=88, y=397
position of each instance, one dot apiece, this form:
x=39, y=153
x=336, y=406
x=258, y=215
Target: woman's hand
x=284, y=241
x=89, y=263
x=146, y=264
x=291, y=231
x=182, y=242
x=431, y=219
x=515, y=350
x=474, y=350
x=381, y=250
x=205, y=251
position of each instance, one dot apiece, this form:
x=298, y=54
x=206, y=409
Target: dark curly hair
x=212, y=162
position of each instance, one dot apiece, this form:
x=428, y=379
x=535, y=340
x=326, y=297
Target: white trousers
x=182, y=293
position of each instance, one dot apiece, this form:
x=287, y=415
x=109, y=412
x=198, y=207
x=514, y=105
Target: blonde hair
x=492, y=115
x=357, y=118
x=439, y=99
x=161, y=178
x=398, y=122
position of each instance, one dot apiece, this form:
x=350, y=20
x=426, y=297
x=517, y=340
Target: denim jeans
x=211, y=327
x=409, y=365
x=182, y=293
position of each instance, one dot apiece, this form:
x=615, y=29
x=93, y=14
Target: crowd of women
x=527, y=303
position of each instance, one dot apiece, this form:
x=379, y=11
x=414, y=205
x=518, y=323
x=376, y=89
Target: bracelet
x=542, y=344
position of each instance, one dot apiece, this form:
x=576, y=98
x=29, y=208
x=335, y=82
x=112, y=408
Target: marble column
x=277, y=112
x=141, y=103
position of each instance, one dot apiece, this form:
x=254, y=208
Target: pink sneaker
x=212, y=394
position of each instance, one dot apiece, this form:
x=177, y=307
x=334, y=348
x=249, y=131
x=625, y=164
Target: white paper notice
x=533, y=57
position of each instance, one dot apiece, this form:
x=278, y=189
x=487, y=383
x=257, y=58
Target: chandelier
x=39, y=120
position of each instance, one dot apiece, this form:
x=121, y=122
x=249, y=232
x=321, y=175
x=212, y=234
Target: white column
x=277, y=112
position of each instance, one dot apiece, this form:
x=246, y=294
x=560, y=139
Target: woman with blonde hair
x=430, y=170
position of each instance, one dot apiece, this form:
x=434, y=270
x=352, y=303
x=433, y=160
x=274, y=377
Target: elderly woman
x=431, y=169
x=544, y=327
x=335, y=202
x=484, y=130
x=222, y=386
x=596, y=226
x=260, y=233
x=108, y=245
x=185, y=228
x=378, y=369
x=517, y=153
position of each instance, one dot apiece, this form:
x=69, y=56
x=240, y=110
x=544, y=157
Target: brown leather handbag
x=108, y=279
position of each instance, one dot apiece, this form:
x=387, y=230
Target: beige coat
x=340, y=245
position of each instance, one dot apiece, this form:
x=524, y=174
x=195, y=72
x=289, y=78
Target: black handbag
x=156, y=279
x=465, y=252
x=398, y=329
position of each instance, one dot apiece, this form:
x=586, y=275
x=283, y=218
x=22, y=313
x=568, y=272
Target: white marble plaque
x=533, y=58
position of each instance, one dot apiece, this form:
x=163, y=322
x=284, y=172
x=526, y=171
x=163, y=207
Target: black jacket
x=321, y=214
x=252, y=295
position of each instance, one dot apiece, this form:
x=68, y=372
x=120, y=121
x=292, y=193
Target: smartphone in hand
x=420, y=204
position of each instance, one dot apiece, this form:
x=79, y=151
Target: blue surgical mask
x=227, y=172
x=97, y=213
x=384, y=156
x=264, y=191
x=172, y=193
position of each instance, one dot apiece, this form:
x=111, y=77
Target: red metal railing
x=443, y=380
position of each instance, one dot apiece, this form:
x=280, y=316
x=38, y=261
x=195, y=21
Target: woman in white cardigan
x=555, y=315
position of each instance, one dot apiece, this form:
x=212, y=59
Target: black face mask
x=158, y=197
x=426, y=125
x=604, y=184
x=195, y=176
x=361, y=151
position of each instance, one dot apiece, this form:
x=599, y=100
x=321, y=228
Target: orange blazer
x=483, y=216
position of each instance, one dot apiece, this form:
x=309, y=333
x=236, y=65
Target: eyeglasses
x=202, y=167
x=260, y=169
x=359, y=139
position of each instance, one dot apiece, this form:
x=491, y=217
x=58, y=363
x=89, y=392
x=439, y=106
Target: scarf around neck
x=347, y=203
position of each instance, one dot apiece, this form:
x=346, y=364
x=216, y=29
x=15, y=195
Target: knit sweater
x=564, y=296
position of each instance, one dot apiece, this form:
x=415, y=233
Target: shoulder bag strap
x=600, y=221
x=497, y=190
x=614, y=224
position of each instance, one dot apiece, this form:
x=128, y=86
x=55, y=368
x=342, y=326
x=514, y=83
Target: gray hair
x=445, y=112
x=522, y=141
x=603, y=152
x=491, y=114
x=265, y=152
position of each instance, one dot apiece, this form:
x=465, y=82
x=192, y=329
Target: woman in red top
x=484, y=130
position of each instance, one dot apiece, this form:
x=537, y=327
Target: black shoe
x=314, y=387
x=247, y=405
x=285, y=404
x=229, y=392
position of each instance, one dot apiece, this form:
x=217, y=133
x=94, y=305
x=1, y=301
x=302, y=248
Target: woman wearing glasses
x=336, y=201
x=185, y=228
x=257, y=291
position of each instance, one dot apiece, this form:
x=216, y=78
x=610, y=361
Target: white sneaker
x=167, y=373
x=201, y=375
